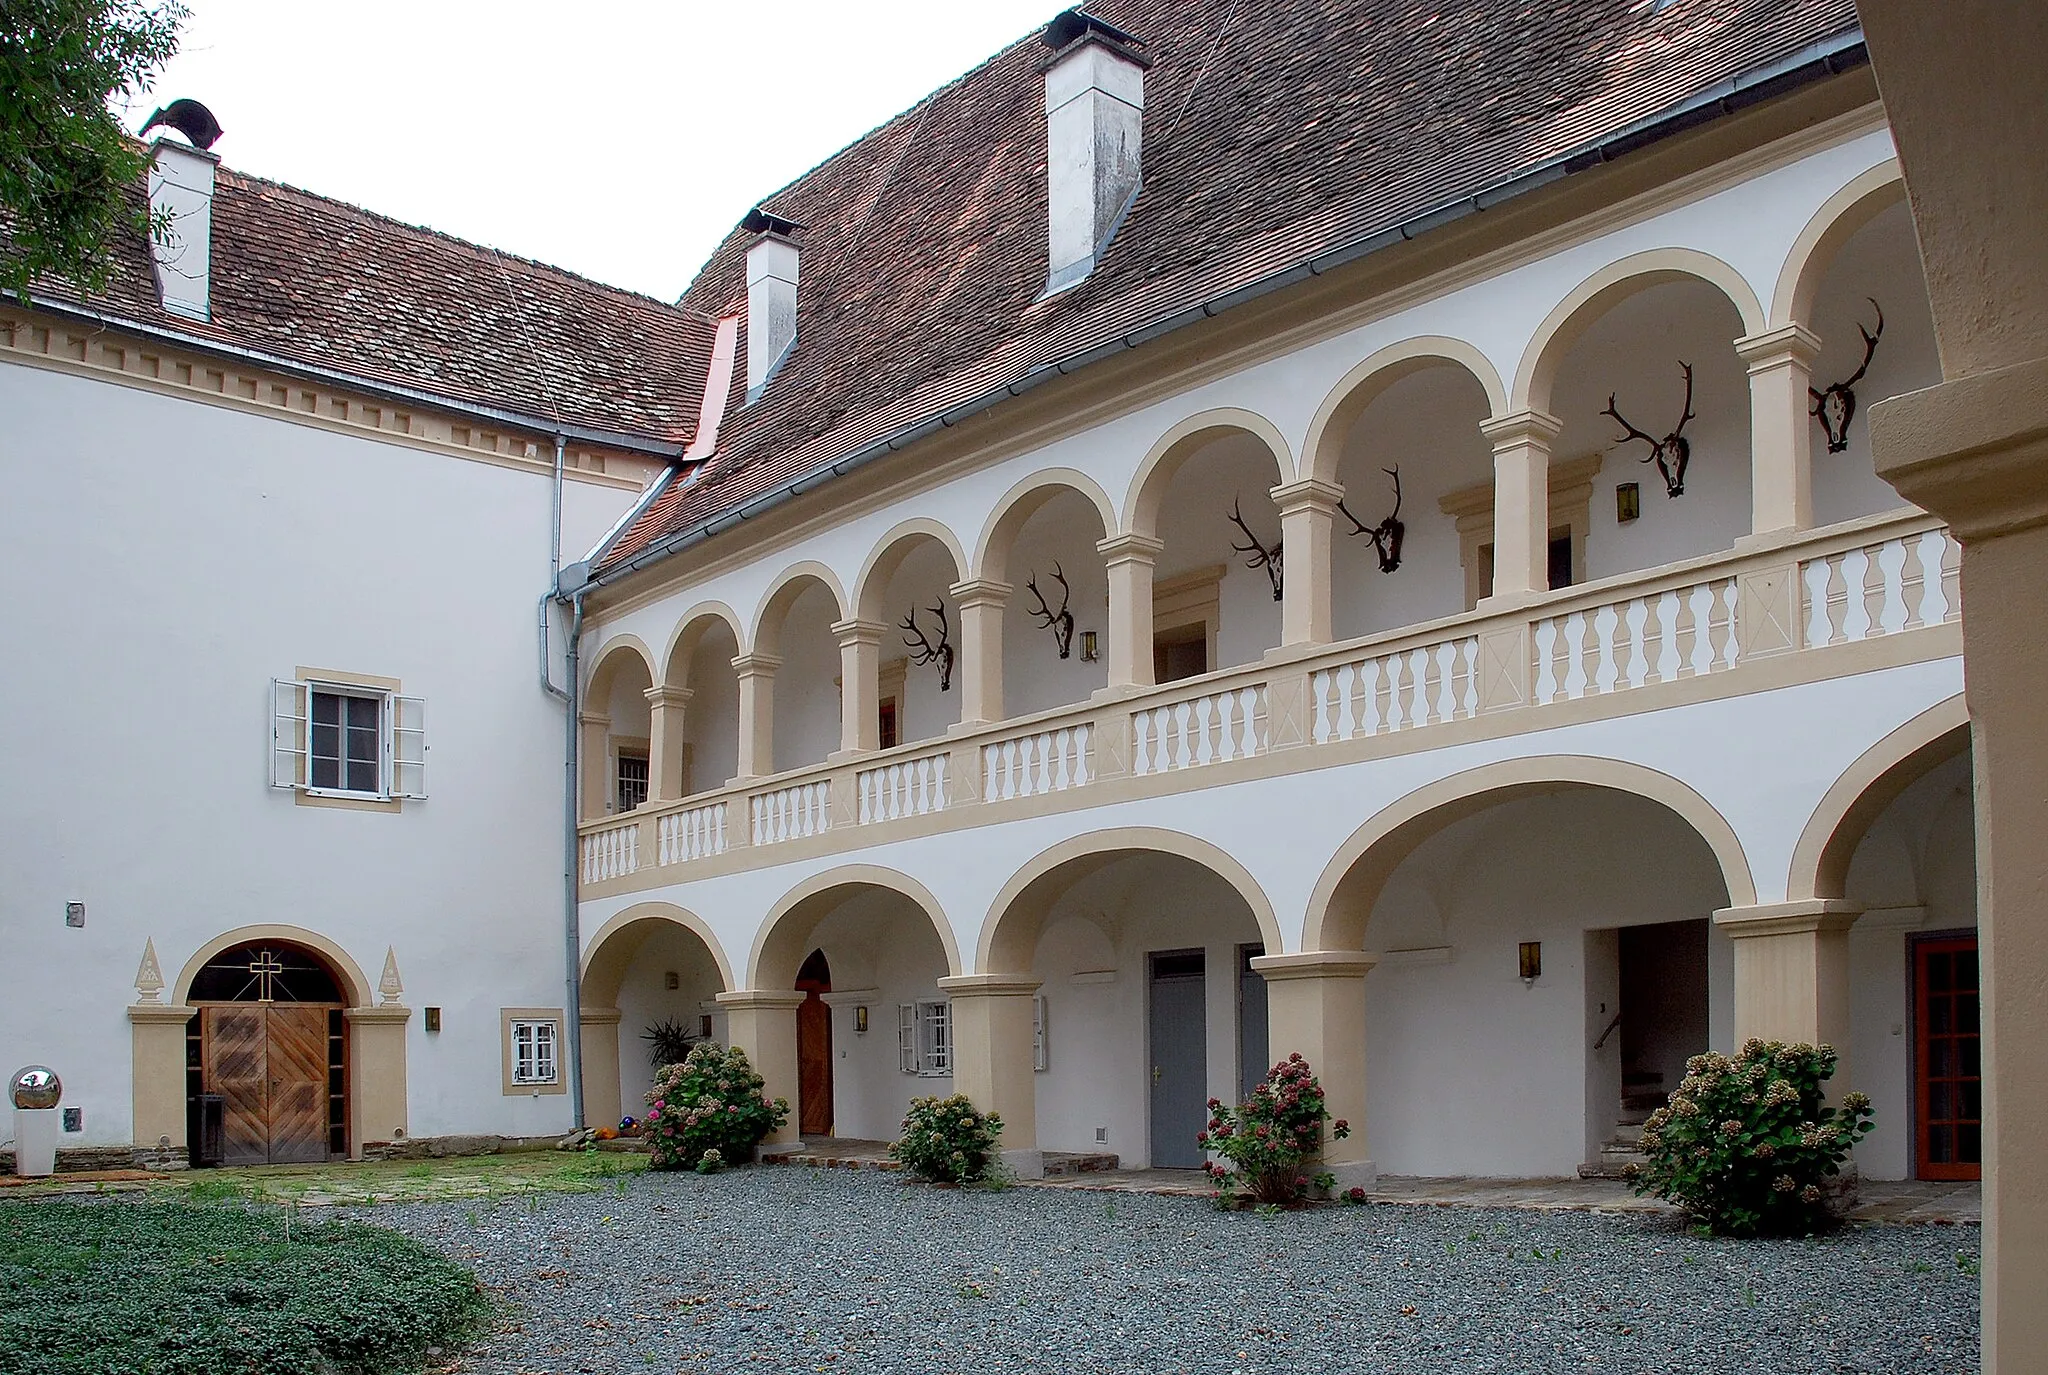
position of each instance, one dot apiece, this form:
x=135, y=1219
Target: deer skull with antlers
x=1386, y=536
x=1258, y=555
x=923, y=651
x=1673, y=451
x=1835, y=406
x=1060, y=622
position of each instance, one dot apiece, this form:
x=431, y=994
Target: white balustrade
x=1049, y=761
x=692, y=834
x=913, y=787
x=801, y=809
x=1658, y=637
x=1423, y=686
x=611, y=853
x=1203, y=730
x=1881, y=589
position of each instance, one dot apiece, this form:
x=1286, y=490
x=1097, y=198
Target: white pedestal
x=35, y=1141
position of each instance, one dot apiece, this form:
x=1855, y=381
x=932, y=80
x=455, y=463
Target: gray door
x=1180, y=1060
x=1253, y=1059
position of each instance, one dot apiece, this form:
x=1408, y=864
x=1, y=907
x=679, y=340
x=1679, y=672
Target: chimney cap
x=1073, y=26
x=189, y=118
x=762, y=221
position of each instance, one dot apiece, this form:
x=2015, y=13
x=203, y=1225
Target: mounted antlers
x=1673, y=451
x=1060, y=622
x=1258, y=555
x=923, y=651
x=1386, y=536
x=1835, y=406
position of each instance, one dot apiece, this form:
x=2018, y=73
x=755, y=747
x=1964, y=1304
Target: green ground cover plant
x=106, y=1287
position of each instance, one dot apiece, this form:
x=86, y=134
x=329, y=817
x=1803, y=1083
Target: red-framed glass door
x=1948, y=1098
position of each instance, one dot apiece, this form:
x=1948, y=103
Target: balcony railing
x=1705, y=617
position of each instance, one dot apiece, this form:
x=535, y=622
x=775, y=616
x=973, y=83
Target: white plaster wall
x=711, y=722
x=922, y=581
x=1063, y=534
x=806, y=686
x=1233, y=473
x=883, y=945
x=169, y=558
x=645, y=999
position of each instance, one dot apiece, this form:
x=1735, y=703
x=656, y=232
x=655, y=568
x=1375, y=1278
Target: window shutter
x=1038, y=1058
x=288, y=733
x=408, y=746
x=544, y=1052
x=906, y=1037
x=935, y=1038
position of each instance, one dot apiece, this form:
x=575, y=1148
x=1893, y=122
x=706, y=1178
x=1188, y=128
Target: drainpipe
x=572, y=943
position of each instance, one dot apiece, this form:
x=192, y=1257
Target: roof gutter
x=389, y=391
x=1815, y=62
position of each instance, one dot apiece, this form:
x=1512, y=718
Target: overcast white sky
x=618, y=138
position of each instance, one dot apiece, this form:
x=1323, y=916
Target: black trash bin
x=203, y=1129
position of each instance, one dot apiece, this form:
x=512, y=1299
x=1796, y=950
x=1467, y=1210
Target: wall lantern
x=433, y=1019
x=1532, y=962
x=860, y=1021
x=1628, y=502
x=704, y=1026
x=1088, y=647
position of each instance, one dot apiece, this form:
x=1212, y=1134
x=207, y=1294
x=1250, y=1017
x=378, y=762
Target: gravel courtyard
x=826, y=1270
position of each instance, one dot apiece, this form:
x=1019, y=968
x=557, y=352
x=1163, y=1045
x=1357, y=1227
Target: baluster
x=1668, y=660
x=1951, y=576
x=1638, y=665
x=1546, y=675
x=1574, y=635
x=1212, y=718
x=1891, y=588
x=1446, y=681
x=1814, y=579
x=1933, y=604
x=1857, y=622
x=1606, y=665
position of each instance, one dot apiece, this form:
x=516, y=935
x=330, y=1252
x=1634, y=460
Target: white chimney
x=771, y=296
x=1094, y=126
x=181, y=183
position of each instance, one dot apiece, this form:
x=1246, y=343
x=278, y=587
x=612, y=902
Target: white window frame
x=924, y=1038
x=401, y=739
x=536, y=1047
x=646, y=780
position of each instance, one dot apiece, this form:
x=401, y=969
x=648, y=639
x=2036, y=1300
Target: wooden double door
x=1948, y=1088
x=271, y=1063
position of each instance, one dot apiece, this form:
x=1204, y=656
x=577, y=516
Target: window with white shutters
x=347, y=740
x=533, y=1052
x=924, y=1038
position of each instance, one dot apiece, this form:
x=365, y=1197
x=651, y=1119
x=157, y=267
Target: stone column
x=1780, y=365
x=993, y=1063
x=1792, y=974
x=1521, y=505
x=980, y=668
x=593, y=756
x=762, y=1022
x=602, y=1105
x=665, y=708
x=860, y=685
x=1307, y=510
x=1315, y=1005
x=1130, y=559
x=376, y=1074
x=757, y=713
x=157, y=1073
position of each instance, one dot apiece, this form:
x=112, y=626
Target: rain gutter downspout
x=572, y=939
x=1829, y=57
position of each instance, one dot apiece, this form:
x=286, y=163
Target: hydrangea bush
x=709, y=1111
x=948, y=1140
x=1746, y=1143
x=1270, y=1139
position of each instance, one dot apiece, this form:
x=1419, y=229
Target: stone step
x=1641, y=1078
x=1066, y=1164
x=1627, y=1134
x=1615, y=1158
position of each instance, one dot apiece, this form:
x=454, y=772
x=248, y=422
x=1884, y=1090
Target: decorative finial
x=149, y=979
x=390, y=985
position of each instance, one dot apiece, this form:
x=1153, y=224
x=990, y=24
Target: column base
x=1024, y=1164
x=1353, y=1174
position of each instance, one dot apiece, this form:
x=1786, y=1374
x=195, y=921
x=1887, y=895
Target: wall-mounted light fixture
x=671, y=980
x=74, y=914
x=1088, y=647
x=433, y=1019
x=1532, y=962
x=1628, y=502
x=704, y=1026
x=860, y=1020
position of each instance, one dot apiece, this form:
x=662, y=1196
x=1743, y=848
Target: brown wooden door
x=1948, y=1112
x=269, y=1063
x=814, y=1065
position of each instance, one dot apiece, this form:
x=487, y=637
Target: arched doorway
x=814, y=1048
x=271, y=1041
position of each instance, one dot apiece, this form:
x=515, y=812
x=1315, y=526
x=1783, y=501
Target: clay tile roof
x=322, y=283
x=1275, y=130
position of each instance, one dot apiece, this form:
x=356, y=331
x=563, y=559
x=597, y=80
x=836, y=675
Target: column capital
x=153, y=1013
x=1131, y=548
x=761, y=1000
x=981, y=592
x=594, y=718
x=1787, y=918
x=599, y=1016
x=1308, y=493
x=990, y=986
x=757, y=665
x=1315, y=964
x=1973, y=450
x=1776, y=347
x=855, y=631
x=1522, y=427
x=663, y=695
x=387, y=1013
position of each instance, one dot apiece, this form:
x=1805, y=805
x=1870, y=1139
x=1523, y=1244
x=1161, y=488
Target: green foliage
x=1746, y=1143
x=669, y=1042
x=709, y=1111
x=159, y=1288
x=68, y=172
x=948, y=1140
x=1269, y=1138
